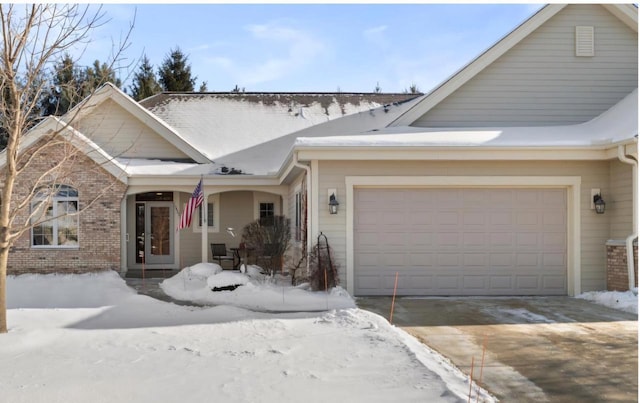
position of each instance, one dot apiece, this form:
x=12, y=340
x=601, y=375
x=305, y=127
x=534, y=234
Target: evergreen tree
x=144, y=81
x=97, y=75
x=65, y=89
x=175, y=73
x=70, y=84
x=203, y=87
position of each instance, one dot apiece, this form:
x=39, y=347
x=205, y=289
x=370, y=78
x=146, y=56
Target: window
x=298, y=222
x=210, y=216
x=54, y=215
x=266, y=212
x=213, y=215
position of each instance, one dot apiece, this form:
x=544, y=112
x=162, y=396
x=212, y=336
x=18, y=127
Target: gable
x=540, y=80
x=121, y=134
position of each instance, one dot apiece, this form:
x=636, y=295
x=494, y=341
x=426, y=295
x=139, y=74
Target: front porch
x=153, y=246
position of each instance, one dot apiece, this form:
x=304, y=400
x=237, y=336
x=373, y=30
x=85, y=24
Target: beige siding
x=619, y=200
x=594, y=228
x=123, y=135
x=540, y=81
x=296, y=246
x=236, y=211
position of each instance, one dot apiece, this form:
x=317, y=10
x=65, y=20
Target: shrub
x=268, y=239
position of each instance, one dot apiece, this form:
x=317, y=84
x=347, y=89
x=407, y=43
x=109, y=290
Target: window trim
x=54, y=201
x=215, y=200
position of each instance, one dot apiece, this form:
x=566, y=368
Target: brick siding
x=617, y=274
x=99, y=225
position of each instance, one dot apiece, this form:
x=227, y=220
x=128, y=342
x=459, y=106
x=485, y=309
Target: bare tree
x=34, y=36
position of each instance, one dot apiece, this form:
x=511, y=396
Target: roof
x=268, y=157
x=110, y=91
x=616, y=125
x=627, y=13
x=219, y=124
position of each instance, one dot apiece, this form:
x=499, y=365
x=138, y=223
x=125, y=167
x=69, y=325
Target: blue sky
x=306, y=47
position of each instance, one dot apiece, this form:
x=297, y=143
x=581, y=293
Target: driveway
x=555, y=349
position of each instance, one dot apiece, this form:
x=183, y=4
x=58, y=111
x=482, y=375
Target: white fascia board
x=189, y=181
x=110, y=91
x=453, y=153
x=627, y=13
x=92, y=151
x=52, y=124
x=469, y=71
x=159, y=126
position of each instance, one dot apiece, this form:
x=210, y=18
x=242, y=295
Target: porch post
x=205, y=227
x=124, y=235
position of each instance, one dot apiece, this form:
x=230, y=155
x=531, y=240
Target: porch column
x=205, y=226
x=124, y=235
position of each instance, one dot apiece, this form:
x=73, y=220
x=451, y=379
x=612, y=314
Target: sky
x=308, y=47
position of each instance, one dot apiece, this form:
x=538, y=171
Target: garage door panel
x=527, y=282
x=475, y=283
x=474, y=239
x=460, y=241
x=447, y=282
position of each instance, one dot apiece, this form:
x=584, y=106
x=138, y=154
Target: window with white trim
x=55, y=218
x=210, y=216
x=213, y=215
x=266, y=210
x=298, y=216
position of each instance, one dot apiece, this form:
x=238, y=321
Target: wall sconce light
x=333, y=203
x=598, y=203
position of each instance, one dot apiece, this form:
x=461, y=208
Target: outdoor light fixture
x=333, y=204
x=599, y=203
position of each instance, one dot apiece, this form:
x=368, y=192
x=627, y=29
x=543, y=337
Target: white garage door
x=460, y=241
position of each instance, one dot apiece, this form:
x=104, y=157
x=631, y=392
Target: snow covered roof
x=268, y=157
x=615, y=125
x=218, y=124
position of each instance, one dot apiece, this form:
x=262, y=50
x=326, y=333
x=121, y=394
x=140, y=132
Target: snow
x=91, y=338
x=239, y=123
x=623, y=300
x=258, y=292
x=618, y=124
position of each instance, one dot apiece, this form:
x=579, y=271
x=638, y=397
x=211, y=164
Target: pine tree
x=175, y=72
x=144, y=81
x=65, y=89
x=71, y=83
x=98, y=75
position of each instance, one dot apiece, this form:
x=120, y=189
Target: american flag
x=194, y=202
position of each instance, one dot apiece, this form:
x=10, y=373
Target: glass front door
x=158, y=247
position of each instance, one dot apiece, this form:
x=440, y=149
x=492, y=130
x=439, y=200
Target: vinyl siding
x=619, y=201
x=296, y=246
x=123, y=135
x=540, y=81
x=595, y=229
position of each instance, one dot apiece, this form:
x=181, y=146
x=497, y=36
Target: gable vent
x=584, y=41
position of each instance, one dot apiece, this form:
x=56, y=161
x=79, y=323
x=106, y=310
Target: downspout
x=307, y=200
x=629, y=241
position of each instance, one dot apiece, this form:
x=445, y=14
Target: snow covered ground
x=90, y=338
x=623, y=300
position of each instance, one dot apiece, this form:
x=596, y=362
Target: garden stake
x=393, y=300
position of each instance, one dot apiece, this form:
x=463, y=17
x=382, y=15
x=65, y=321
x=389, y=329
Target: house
x=484, y=186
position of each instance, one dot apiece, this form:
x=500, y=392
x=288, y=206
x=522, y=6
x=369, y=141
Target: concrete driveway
x=537, y=349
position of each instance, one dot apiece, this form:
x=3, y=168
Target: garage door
x=460, y=241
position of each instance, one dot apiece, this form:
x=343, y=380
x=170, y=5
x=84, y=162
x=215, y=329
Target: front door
x=158, y=248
